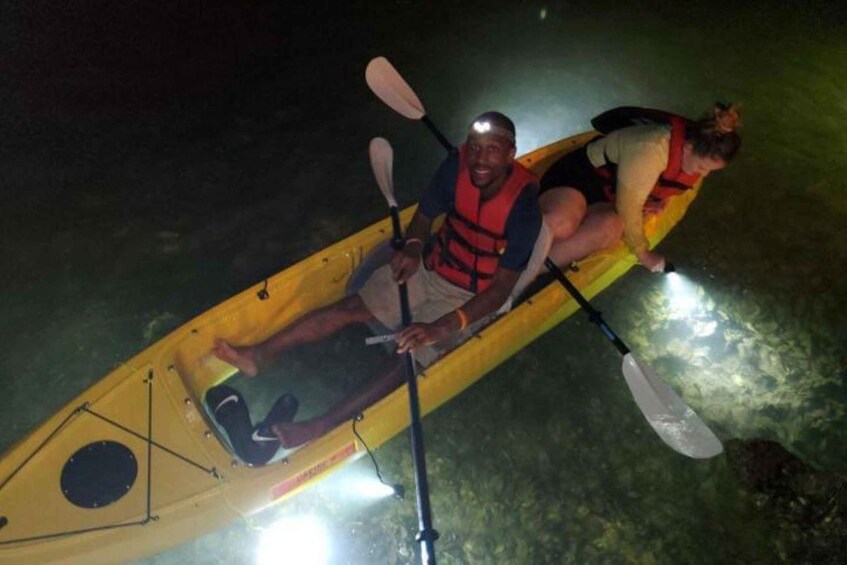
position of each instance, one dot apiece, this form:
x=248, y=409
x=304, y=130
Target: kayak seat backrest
x=533, y=268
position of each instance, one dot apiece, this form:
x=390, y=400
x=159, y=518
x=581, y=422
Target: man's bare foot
x=292, y=434
x=242, y=358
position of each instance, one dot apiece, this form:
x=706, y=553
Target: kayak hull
x=186, y=481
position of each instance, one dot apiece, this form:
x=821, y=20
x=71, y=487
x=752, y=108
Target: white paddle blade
x=675, y=422
x=382, y=159
x=390, y=87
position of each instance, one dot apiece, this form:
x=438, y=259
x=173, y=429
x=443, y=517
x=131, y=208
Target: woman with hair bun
x=595, y=195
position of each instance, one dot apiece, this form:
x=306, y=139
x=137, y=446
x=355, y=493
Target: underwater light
x=372, y=488
x=302, y=540
x=682, y=295
x=357, y=482
x=368, y=487
x=674, y=280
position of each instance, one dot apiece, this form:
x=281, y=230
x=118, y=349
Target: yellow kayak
x=134, y=465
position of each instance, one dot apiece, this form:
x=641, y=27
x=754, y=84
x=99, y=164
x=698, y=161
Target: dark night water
x=157, y=160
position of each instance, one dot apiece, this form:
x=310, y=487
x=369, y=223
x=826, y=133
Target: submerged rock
x=808, y=508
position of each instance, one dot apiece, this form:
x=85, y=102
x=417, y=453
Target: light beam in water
x=683, y=296
x=361, y=483
x=303, y=540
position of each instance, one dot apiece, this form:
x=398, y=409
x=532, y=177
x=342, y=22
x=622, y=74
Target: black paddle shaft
x=426, y=534
x=593, y=314
x=438, y=135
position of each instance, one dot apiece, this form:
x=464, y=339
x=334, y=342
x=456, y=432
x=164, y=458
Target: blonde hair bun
x=726, y=117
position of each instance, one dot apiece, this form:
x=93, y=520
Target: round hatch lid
x=99, y=474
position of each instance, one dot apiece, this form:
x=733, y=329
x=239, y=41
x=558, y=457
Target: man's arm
x=487, y=301
x=475, y=309
x=437, y=198
x=405, y=262
x=420, y=226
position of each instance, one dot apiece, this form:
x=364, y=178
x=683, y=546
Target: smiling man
x=471, y=264
x=486, y=239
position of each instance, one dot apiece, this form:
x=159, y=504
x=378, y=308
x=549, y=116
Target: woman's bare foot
x=292, y=434
x=242, y=358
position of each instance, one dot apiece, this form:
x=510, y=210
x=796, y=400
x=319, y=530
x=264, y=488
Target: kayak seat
x=534, y=268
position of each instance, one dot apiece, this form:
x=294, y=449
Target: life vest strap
x=673, y=184
x=447, y=258
x=455, y=214
x=450, y=234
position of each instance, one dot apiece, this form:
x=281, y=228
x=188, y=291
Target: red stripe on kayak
x=291, y=483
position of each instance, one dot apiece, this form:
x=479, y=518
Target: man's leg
x=380, y=300
x=292, y=434
x=431, y=297
x=311, y=327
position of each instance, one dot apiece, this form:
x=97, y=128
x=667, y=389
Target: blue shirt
x=522, y=225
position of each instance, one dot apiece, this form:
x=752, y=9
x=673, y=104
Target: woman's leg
x=564, y=209
x=600, y=227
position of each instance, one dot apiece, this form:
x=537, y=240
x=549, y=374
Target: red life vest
x=673, y=179
x=469, y=243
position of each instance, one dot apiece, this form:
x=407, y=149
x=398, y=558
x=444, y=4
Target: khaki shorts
x=430, y=297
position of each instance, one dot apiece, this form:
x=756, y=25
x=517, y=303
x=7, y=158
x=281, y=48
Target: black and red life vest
x=469, y=243
x=673, y=179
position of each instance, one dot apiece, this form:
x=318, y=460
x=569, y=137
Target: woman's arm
x=638, y=170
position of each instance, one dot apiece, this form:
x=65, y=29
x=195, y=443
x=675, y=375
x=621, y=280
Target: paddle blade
x=382, y=158
x=675, y=422
x=390, y=87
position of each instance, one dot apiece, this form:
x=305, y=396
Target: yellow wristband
x=463, y=318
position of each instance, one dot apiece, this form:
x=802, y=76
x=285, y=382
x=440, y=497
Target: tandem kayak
x=134, y=465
